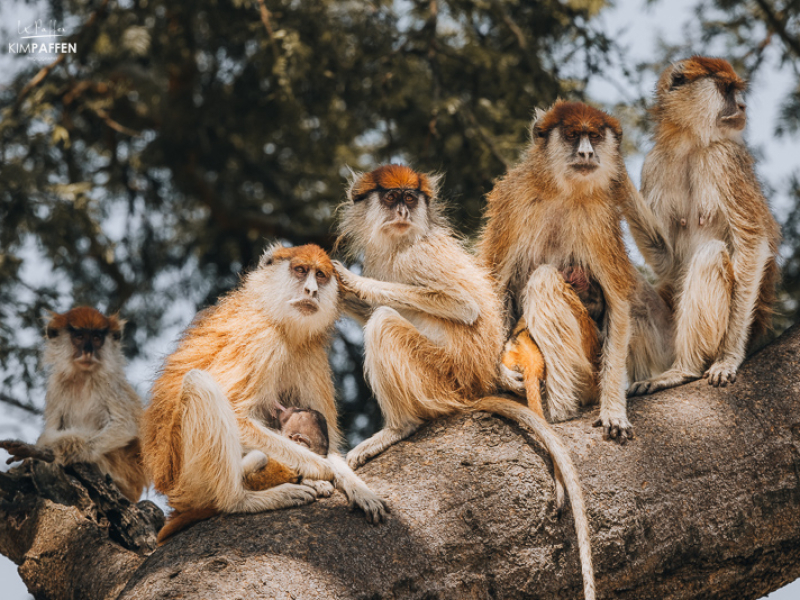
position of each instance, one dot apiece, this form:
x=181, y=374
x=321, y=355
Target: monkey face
x=82, y=339
x=299, y=285
x=703, y=95
x=581, y=143
x=86, y=344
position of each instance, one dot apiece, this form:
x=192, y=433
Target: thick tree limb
x=705, y=503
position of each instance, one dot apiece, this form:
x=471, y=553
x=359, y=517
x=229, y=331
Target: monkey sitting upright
x=556, y=211
x=92, y=413
x=703, y=224
x=434, y=330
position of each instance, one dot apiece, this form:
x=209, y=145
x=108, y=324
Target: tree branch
x=778, y=24
x=704, y=504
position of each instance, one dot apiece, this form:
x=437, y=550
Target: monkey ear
x=353, y=184
x=535, y=131
x=116, y=325
x=434, y=183
x=268, y=258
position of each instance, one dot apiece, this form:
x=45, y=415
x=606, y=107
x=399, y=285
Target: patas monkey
x=208, y=423
x=703, y=224
x=557, y=210
x=434, y=331
x=303, y=426
x=92, y=414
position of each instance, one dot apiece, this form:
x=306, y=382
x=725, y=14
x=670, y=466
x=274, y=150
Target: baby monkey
x=304, y=426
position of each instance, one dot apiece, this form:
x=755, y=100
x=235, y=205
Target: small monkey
x=205, y=426
x=703, y=224
x=433, y=327
x=92, y=414
x=303, y=426
x=553, y=234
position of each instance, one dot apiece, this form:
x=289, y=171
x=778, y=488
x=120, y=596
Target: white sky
x=641, y=27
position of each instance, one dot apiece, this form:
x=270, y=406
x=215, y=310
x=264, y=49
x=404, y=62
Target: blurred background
x=144, y=171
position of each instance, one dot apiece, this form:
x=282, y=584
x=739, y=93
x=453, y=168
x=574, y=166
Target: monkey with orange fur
x=703, y=224
x=433, y=327
x=556, y=211
x=210, y=419
x=92, y=414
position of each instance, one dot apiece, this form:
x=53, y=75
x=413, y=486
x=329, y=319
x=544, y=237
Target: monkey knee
x=375, y=329
x=546, y=279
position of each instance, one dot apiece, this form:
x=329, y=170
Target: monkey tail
x=562, y=463
x=178, y=521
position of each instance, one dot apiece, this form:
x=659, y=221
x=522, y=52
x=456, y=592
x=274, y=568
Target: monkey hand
x=511, y=381
x=323, y=488
x=71, y=448
x=615, y=427
x=360, y=496
x=721, y=373
x=348, y=279
x=18, y=451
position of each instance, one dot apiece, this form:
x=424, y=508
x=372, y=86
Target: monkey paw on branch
x=19, y=451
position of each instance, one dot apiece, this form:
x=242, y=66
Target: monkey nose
x=741, y=106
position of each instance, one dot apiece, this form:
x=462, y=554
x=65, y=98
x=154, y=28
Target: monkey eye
x=410, y=198
x=678, y=79
x=300, y=270
x=571, y=135
x=594, y=135
x=392, y=196
x=322, y=276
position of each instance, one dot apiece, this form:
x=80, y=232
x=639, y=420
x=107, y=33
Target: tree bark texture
x=704, y=503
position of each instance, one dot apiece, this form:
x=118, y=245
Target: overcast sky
x=641, y=26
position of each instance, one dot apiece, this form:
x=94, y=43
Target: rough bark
x=704, y=503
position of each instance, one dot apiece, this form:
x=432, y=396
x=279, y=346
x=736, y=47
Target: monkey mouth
x=735, y=121
x=86, y=363
x=306, y=307
x=400, y=225
x=584, y=167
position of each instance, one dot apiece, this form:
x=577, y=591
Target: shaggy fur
x=434, y=330
x=704, y=225
x=208, y=423
x=92, y=414
x=559, y=208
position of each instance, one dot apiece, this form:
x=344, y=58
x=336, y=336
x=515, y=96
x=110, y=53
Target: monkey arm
x=355, y=307
x=445, y=304
x=646, y=230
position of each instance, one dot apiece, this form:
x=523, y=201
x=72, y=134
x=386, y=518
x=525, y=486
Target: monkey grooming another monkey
x=266, y=340
x=91, y=413
x=703, y=224
x=434, y=332
x=303, y=426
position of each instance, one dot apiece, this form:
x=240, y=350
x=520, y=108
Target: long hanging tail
x=563, y=463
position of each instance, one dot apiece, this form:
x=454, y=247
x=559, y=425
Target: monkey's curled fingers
x=324, y=489
x=639, y=388
x=20, y=450
x=347, y=277
x=375, y=510
x=616, y=428
x=720, y=374
x=668, y=379
x=512, y=381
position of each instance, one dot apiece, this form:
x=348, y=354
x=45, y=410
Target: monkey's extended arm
x=445, y=304
x=646, y=230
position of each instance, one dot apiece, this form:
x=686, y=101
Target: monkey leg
x=408, y=374
x=521, y=354
x=701, y=318
x=212, y=473
x=568, y=339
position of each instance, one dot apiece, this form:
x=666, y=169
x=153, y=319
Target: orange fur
x=85, y=317
x=392, y=177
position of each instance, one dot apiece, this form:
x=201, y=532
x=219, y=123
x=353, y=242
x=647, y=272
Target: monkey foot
x=324, y=489
x=375, y=510
x=721, y=373
x=668, y=379
x=616, y=428
x=512, y=381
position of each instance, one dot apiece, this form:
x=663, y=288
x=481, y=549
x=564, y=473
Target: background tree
x=144, y=172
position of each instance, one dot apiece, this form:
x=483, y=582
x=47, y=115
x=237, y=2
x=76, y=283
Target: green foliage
x=143, y=173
